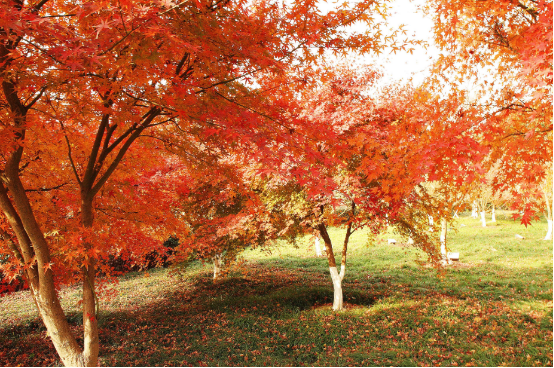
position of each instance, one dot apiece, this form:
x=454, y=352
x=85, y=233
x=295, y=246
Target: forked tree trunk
x=40, y=278
x=336, y=277
x=32, y=247
x=483, y=220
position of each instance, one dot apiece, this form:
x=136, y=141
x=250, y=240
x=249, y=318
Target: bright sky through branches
x=401, y=66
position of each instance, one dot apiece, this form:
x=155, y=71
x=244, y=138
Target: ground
x=493, y=308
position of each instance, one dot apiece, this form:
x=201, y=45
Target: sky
x=403, y=65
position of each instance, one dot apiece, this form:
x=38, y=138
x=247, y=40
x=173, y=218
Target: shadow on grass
x=282, y=317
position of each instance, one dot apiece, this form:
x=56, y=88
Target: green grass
x=492, y=308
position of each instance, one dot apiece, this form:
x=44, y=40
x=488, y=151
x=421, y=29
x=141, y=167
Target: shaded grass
x=493, y=308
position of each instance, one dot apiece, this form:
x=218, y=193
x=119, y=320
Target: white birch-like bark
x=493, y=214
x=317, y=247
x=549, y=232
x=444, y=229
x=483, y=220
x=549, y=207
x=336, y=278
x=431, y=223
x=456, y=214
x=337, y=287
x=217, y=266
x=474, y=210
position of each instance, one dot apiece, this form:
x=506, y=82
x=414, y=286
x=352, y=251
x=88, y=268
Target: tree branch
x=46, y=189
x=148, y=118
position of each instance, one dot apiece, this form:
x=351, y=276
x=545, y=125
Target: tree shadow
x=282, y=316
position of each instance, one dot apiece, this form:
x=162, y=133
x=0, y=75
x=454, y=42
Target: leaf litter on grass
x=276, y=313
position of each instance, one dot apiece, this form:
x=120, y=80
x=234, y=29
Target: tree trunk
x=549, y=207
x=474, y=210
x=317, y=247
x=90, y=302
x=431, y=223
x=549, y=231
x=40, y=278
x=337, y=289
x=444, y=229
x=32, y=246
x=217, y=266
x=336, y=277
x=483, y=220
x=493, y=214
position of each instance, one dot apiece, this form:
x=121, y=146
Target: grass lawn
x=492, y=308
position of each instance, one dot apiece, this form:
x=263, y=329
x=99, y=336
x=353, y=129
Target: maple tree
x=504, y=48
x=448, y=197
x=223, y=213
x=88, y=87
x=99, y=99
x=375, y=151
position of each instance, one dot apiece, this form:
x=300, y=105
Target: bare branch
x=91, y=170
x=70, y=155
x=46, y=189
x=147, y=119
x=37, y=97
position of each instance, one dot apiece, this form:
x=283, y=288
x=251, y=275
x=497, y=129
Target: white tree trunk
x=474, y=210
x=444, y=229
x=217, y=266
x=549, y=233
x=547, y=191
x=337, y=288
x=456, y=214
x=493, y=214
x=317, y=247
x=483, y=220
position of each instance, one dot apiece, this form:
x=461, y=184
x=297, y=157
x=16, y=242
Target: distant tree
x=546, y=188
x=223, y=214
x=503, y=49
